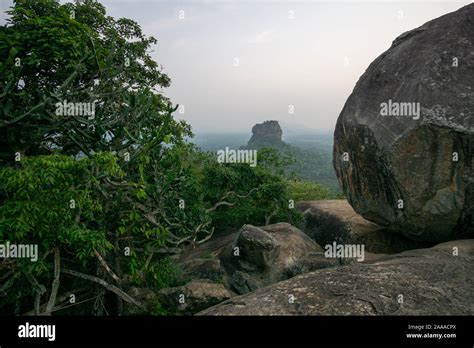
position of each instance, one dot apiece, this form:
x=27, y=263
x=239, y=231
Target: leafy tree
x=53, y=202
x=52, y=53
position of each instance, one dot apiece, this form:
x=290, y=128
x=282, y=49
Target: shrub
x=307, y=191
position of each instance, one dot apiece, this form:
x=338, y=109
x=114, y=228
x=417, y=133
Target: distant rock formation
x=311, y=163
x=404, y=141
x=266, y=134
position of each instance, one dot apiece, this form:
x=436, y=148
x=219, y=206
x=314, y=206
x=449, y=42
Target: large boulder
x=410, y=169
x=434, y=281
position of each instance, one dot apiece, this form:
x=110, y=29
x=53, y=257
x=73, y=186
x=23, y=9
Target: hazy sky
x=308, y=54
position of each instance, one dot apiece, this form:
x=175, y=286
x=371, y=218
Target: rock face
x=194, y=296
x=268, y=134
x=432, y=281
x=264, y=255
x=327, y=221
x=413, y=172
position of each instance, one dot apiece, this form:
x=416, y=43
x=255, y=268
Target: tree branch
x=230, y=193
x=40, y=290
x=55, y=285
x=106, y=266
x=272, y=214
x=61, y=299
x=122, y=294
x=209, y=236
x=217, y=205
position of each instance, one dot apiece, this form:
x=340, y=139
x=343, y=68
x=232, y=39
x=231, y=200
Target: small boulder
x=264, y=255
x=257, y=246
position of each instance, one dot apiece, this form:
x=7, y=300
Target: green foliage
x=53, y=202
x=45, y=195
x=254, y=194
x=165, y=274
x=60, y=59
x=300, y=190
x=314, y=164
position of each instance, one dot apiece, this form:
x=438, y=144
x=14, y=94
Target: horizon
x=284, y=126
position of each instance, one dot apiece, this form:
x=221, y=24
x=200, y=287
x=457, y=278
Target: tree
x=53, y=54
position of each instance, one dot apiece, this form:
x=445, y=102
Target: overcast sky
x=305, y=54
